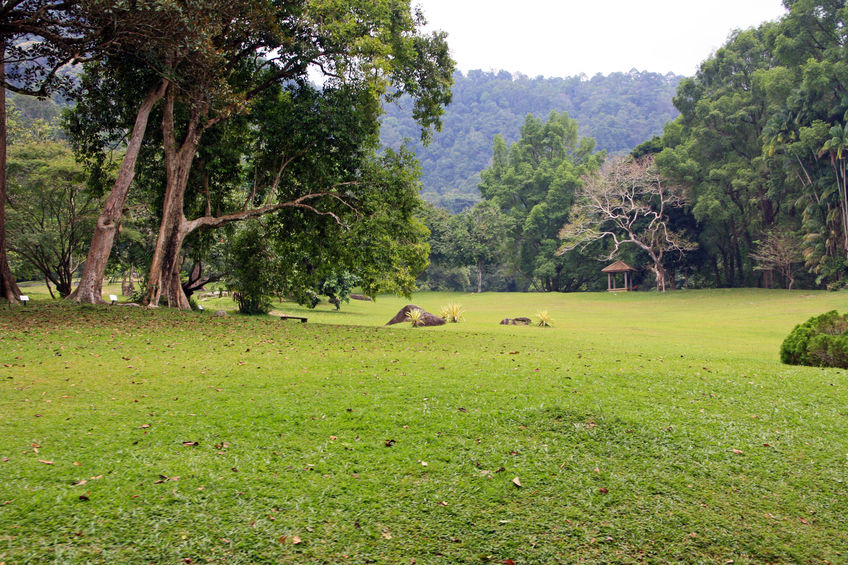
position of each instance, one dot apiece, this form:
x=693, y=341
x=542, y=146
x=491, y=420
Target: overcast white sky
x=559, y=38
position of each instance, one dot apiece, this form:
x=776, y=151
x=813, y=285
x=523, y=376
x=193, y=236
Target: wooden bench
x=287, y=317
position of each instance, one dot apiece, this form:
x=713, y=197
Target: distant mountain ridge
x=620, y=110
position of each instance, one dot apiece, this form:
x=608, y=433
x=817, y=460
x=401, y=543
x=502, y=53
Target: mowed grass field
x=640, y=428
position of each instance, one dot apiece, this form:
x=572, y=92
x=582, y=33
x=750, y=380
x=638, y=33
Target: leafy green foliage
x=30, y=120
x=250, y=278
x=50, y=211
x=338, y=286
x=760, y=142
x=821, y=341
x=244, y=135
x=377, y=239
x=715, y=148
x=533, y=183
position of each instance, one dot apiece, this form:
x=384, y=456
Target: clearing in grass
x=641, y=427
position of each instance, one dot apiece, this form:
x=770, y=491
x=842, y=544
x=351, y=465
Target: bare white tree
x=779, y=251
x=627, y=201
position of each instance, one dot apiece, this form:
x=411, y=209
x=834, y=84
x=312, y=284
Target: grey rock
x=427, y=319
x=521, y=321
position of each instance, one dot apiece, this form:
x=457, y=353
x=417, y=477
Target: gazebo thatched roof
x=618, y=267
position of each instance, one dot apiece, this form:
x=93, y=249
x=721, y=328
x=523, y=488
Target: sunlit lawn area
x=641, y=428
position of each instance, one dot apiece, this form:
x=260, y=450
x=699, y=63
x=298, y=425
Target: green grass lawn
x=641, y=428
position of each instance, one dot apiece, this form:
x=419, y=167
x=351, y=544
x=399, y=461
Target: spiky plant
x=545, y=320
x=452, y=312
x=415, y=316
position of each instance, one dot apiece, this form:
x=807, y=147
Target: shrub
x=250, y=279
x=415, y=316
x=821, y=341
x=337, y=286
x=452, y=312
x=545, y=320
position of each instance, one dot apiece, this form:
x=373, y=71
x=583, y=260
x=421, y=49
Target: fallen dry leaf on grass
x=516, y=482
x=46, y=462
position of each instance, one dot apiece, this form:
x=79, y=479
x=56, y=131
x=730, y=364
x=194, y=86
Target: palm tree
x=836, y=147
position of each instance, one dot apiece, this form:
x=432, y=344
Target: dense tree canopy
x=212, y=85
x=760, y=143
x=50, y=211
x=533, y=182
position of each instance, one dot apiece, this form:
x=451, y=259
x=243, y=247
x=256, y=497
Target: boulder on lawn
x=427, y=319
x=516, y=322
x=360, y=297
x=221, y=313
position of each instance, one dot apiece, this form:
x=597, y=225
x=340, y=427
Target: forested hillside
x=620, y=111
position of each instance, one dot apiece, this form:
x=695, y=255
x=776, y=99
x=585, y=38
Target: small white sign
x=24, y=298
x=201, y=308
x=113, y=298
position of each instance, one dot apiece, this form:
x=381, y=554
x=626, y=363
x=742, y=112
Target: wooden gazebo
x=613, y=270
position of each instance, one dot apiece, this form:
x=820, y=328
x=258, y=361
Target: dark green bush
x=250, y=278
x=821, y=341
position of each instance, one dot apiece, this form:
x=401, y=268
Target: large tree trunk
x=8, y=287
x=164, y=276
x=90, y=289
x=165, y=280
